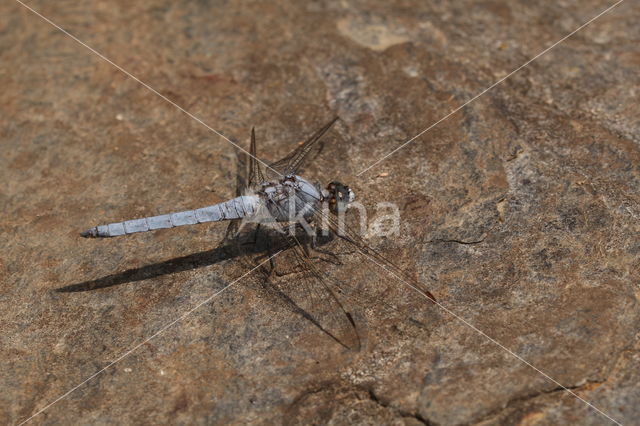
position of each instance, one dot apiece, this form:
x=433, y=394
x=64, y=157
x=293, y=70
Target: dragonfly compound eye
x=339, y=196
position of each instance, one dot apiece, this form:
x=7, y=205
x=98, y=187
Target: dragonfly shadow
x=167, y=267
x=240, y=246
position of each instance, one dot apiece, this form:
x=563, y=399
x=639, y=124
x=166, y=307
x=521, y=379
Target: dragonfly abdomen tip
x=89, y=233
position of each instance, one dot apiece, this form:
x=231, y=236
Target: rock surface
x=520, y=211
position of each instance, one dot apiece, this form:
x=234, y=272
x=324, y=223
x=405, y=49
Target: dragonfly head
x=339, y=196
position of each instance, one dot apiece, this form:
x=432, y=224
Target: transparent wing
x=242, y=177
x=247, y=172
x=255, y=168
x=292, y=163
x=314, y=293
x=350, y=238
x=310, y=289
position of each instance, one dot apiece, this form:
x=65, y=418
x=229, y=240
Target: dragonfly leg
x=273, y=270
x=284, y=273
x=255, y=234
x=232, y=231
x=253, y=241
x=335, y=260
x=272, y=264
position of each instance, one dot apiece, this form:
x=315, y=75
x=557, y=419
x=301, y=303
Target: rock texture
x=520, y=212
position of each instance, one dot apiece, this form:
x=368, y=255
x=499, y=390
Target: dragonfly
x=276, y=210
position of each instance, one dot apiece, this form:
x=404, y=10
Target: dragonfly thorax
x=290, y=197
